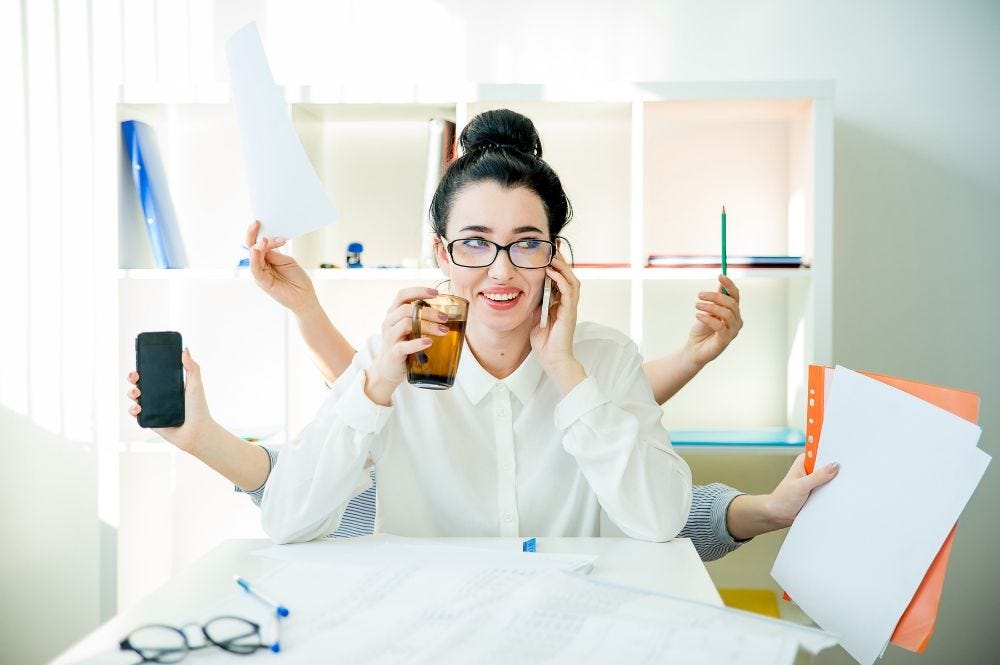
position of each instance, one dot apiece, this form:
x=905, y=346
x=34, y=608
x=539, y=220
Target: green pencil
x=724, y=292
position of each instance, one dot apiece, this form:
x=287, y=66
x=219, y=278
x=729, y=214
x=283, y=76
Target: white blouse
x=489, y=457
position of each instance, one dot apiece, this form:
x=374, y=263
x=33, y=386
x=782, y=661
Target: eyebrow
x=475, y=228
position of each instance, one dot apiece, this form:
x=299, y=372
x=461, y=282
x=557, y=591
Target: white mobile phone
x=546, y=302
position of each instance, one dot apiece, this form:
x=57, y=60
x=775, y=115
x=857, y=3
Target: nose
x=502, y=269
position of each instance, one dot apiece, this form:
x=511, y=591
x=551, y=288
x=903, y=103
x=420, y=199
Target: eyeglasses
x=158, y=643
x=479, y=252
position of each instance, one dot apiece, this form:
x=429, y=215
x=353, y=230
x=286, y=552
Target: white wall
x=49, y=568
x=916, y=181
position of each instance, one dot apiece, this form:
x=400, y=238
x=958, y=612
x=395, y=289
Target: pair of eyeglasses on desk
x=157, y=643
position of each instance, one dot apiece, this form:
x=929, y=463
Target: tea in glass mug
x=435, y=367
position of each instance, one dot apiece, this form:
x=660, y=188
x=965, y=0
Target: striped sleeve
x=359, y=516
x=706, y=523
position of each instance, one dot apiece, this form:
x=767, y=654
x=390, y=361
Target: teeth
x=500, y=297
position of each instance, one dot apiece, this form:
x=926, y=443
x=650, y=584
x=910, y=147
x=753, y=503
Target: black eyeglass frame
x=228, y=645
x=496, y=252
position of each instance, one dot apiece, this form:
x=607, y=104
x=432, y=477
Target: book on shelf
x=150, y=179
x=600, y=264
x=715, y=261
x=440, y=153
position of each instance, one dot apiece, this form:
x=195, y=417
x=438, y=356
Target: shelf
x=653, y=274
x=735, y=90
x=184, y=273
x=220, y=93
x=381, y=274
x=768, y=441
x=564, y=91
x=424, y=274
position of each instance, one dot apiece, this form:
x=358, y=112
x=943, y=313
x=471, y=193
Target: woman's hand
x=388, y=370
x=279, y=275
x=787, y=499
x=718, y=323
x=197, y=420
x=750, y=515
x=553, y=345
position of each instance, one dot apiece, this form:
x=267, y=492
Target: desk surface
x=673, y=568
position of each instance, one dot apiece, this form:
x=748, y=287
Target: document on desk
x=494, y=606
x=861, y=545
x=562, y=618
x=286, y=195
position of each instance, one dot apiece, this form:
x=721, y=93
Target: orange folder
x=915, y=627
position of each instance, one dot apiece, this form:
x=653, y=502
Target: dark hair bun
x=501, y=129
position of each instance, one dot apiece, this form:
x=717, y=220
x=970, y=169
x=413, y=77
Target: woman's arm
x=722, y=518
x=612, y=428
x=281, y=277
x=329, y=462
x=326, y=465
x=718, y=322
x=242, y=463
x=330, y=351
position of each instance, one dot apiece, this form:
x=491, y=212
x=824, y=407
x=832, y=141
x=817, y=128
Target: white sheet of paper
x=388, y=614
x=286, y=195
x=861, y=545
x=570, y=619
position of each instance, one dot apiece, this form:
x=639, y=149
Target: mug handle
x=415, y=330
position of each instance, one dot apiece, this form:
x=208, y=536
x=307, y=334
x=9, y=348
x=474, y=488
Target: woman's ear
x=444, y=261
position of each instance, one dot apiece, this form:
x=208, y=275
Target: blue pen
x=276, y=647
x=280, y=610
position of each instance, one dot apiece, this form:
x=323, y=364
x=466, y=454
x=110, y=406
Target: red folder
x=916, y=626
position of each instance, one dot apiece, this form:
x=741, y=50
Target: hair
x=502, y=146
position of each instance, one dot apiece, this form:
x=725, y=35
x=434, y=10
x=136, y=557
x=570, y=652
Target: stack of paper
x=385, y=599
x=857, y=552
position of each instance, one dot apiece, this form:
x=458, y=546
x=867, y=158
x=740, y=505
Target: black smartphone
x=161, y=379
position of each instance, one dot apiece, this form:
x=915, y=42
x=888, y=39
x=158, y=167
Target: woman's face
x=502, y=297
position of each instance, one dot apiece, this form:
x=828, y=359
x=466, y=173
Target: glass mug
x=435, y=366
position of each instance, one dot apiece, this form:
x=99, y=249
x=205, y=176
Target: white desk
x=673, y=568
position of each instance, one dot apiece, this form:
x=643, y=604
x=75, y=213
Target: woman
x=487, y=457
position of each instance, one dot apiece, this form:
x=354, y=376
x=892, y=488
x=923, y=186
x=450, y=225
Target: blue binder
x=150, y=180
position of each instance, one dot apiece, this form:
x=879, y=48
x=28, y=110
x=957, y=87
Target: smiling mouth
x=501, y=297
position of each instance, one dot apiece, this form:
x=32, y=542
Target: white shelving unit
x=646, y=166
